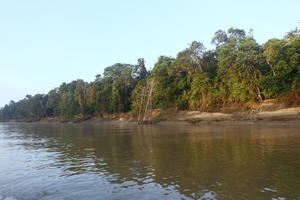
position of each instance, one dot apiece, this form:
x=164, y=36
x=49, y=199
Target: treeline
x=238, y=70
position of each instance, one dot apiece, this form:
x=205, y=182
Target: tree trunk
x=259, y=94
x=268, y=62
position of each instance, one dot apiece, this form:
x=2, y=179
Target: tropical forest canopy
x=238, y=70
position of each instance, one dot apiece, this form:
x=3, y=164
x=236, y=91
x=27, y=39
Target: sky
x=46, y=42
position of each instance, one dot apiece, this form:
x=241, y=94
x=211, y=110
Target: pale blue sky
x=46, y=42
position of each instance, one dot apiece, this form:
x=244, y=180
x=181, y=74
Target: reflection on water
x=129, y=161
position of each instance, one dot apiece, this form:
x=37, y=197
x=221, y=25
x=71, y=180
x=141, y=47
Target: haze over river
x=46, y=161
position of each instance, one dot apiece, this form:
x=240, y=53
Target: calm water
x=126, y=161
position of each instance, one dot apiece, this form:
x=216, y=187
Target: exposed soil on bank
x=287, y=114
x=266, y=111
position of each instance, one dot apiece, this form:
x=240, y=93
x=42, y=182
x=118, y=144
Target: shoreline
x=191, y=117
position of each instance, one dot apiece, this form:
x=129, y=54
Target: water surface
x=128, y=161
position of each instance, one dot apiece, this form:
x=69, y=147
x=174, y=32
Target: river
x=46, y=161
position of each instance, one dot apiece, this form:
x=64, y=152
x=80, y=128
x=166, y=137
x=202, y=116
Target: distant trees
x=237, y=70
x=31, y=106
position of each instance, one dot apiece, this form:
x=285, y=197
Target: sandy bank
x=289, y=114
x=286, y=114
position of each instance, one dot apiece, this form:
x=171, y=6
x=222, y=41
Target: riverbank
x=285, y=114
x=288, y=114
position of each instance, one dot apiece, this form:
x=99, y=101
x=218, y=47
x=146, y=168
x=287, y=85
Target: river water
x=129, y=161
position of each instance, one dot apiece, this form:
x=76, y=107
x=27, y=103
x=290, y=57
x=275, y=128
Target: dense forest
x=238, y=70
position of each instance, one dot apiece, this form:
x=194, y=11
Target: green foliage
x=283, y=59
x=238, y=70
x=68, y=106
x=239, y=67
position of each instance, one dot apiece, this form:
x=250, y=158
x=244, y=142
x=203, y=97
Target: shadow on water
x=172, y=161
